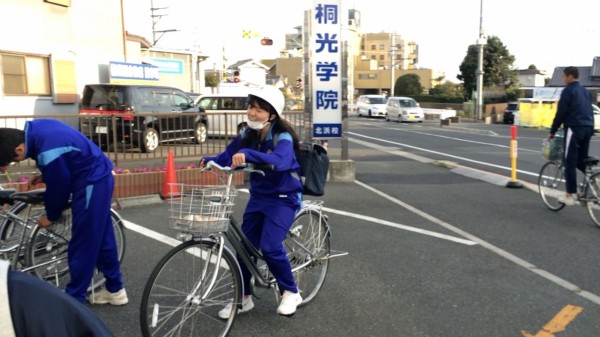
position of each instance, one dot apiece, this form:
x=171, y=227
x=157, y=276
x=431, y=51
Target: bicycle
x=551, y=183
x=200, y=276
x=42, y=251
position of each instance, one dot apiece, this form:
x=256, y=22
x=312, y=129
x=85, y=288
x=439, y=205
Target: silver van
x=226, y=113
x=403, y=109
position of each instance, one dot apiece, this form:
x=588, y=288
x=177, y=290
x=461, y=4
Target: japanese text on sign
x=326, y=47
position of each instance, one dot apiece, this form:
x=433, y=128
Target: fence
x=128, y=138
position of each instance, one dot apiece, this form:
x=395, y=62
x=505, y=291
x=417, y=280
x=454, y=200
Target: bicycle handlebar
x=249, y=167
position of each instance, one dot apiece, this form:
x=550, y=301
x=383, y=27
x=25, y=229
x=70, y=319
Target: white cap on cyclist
x=271, y=95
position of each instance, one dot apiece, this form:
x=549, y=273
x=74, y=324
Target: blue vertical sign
x=326, y=52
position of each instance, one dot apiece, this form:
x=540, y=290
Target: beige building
x=66, y=44
x=384, y=54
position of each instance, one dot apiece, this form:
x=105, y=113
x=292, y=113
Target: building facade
x=68, y=44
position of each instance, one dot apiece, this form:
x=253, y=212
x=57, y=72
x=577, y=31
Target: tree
x=211, y=79
x=447, y=89
x=408, y=85
x=497, y=67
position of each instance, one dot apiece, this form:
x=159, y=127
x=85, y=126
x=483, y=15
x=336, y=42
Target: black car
x=509, y=113
x=119, y=114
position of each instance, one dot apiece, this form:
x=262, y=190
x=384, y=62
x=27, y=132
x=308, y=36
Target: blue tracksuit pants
x=577, y=145
x=266, y=222
x=93, y=241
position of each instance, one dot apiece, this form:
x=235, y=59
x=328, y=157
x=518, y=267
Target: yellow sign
x=558, y=323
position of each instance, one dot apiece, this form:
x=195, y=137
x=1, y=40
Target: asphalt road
x=431, y=253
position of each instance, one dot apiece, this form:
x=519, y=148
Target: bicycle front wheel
x=186, y=290
x=47, y=250
x=592, y=195
x=551, y=183
x=307, y=246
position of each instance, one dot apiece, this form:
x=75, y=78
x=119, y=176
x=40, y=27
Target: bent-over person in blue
x=275, y=198
x=73, y=167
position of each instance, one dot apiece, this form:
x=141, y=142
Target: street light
x=481, y=41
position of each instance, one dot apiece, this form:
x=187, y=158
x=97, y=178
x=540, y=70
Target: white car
x=371, y=105
x=403, y=109
x=596, y=110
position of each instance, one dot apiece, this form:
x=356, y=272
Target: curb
x=139, y=201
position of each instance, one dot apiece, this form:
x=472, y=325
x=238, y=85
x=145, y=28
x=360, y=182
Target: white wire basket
x=201, y=209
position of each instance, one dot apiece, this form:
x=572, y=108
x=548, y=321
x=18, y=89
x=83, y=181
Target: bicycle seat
x=29, y=197
x=591, y=161
x=5, y=196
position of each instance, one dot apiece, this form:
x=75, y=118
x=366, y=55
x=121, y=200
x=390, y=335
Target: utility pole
x=392, y=50
x=481, y=41
x=155, y=19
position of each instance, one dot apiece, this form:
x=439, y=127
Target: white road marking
x=501, y=252
x=436, y=152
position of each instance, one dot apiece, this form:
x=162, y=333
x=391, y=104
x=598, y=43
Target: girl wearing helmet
x=275, y=197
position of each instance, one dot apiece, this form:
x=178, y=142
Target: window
x=25, y=75
x=381, y=57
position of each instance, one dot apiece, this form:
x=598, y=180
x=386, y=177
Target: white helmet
x=272, y=95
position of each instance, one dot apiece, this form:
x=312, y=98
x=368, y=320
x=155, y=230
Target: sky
x=545, y=33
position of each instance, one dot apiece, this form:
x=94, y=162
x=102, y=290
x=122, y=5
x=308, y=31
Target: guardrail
x=123, y=141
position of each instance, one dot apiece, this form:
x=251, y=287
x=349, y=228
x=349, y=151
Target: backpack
x=314, y=166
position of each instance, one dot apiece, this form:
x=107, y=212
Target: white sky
x=547, y=33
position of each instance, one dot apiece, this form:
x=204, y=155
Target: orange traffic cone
x=170, y=188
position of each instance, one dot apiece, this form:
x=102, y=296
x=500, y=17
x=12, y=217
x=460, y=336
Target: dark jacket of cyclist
x=31, y=307
x=275, y=198
x=73, y=166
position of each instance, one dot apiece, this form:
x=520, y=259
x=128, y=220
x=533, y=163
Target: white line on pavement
x=440, y=153
x=501, y=252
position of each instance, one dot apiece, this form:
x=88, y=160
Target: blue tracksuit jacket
x=274, y=201
x=72, y=166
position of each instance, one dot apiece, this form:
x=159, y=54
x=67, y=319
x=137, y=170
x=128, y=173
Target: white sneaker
x=289, y=303
x=247, y=305
x=567, y=200
x=104, y=296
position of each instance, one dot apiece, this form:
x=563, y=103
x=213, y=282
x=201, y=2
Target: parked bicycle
x=552, y=185
x=200, y=276
x=37, y=250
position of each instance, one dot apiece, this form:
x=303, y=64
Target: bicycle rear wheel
x=180, y=298
x=49, y=247
x=47, y=251
x=551, y=184
x=592, y=195
x=307, y=246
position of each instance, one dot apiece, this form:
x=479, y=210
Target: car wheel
x=200, y=133
x=150, y=140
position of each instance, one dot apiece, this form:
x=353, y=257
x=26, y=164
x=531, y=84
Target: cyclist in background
x=575, y=113
x=275, y=198
x=72, y=166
